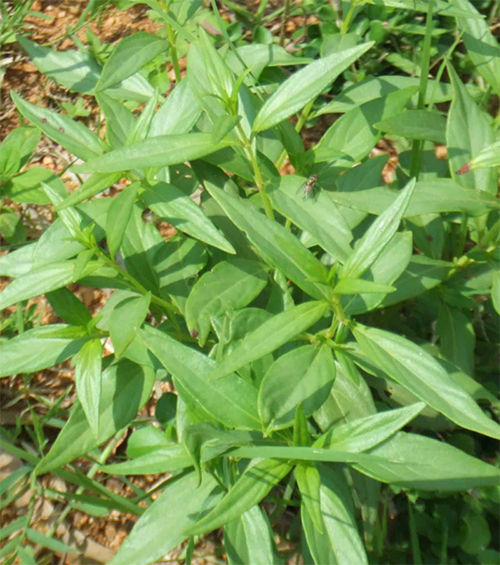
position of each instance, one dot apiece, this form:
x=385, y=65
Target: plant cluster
x=330, y=340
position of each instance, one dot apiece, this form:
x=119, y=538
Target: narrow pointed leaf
x=250, y=488
x=303, y=376
x=304, y=85
x=169, y=202
x=418, y=462
x=377, y=236
x=228, y=286
x=126, y=319
x=161, y=528
x=270, y=335
x=129, y=55
x=118, y=217
x=280, y=248
x=154, y=152
x=72, y=135
x=412, y=367
x=361, y=434
x=231, y=401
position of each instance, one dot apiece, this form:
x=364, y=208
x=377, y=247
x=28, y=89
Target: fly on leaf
x=309, y=187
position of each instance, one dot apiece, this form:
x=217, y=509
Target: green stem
x=259, y=181
x=169, y=308
x=347, y=20
x=173, y=52
x=416, y=151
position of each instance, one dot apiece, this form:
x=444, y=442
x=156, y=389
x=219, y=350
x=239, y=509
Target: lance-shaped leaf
x=126, y=318
x=88, y=379
x=364, y=433
x=228, y=286
x=482, y=46
x=303, y=376
x=118, y=217
x=340, y=543
x=317, y=215
x=169, y=202
x=250, y=488
x=154, y=152
x=304, y=85
x=93, y=185
x=412, y=367
x=378, y=235
x=309, y=483
x=270, y=335
x=468, y=132
x=46, y=345
x=418, y=462
x=249, y=539
x=456, y=337
x=232, y=401
x=161, y=527
x=430, y=197
x=278, y=246
x=39, y=281
x=416, y=124
x=129, y=55
x=72, y=135
x=125, y=389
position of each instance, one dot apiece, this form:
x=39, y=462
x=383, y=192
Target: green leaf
x=119, y=214
x=305, y=85
x=119, y=120
x=302, y=376
x=341, y=543
x=232, y=401
x=38, y=281
x=495, y=291
x=169, y=202
x=309, y=483
x=270, y=335
x=422, y=273
x=75, y=69
x=16, y=148
x=250, y=488
x=161, y=528
x=416, y=124
x=130, y=55
x=249, y=539
x=125, y=389
x=278, y=246
x=378, y=235
x=154, y=152
x=429, y=197
x=178, y=260
x=418, y=462
x=319, y=216
x=358, y=286
x=179, y=112
x=353, y=135
x=468, y=132
x=456, y=337
x=482, y=46
x=364, y=433
x=489, y=156
x=228, y=286
x=68, y=307
x=126, y=319
x=388, y=266
x=409, y=365
x=47, y=346
x=94, y=184
x=72, y=135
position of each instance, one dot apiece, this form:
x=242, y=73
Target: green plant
x=302, y=335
